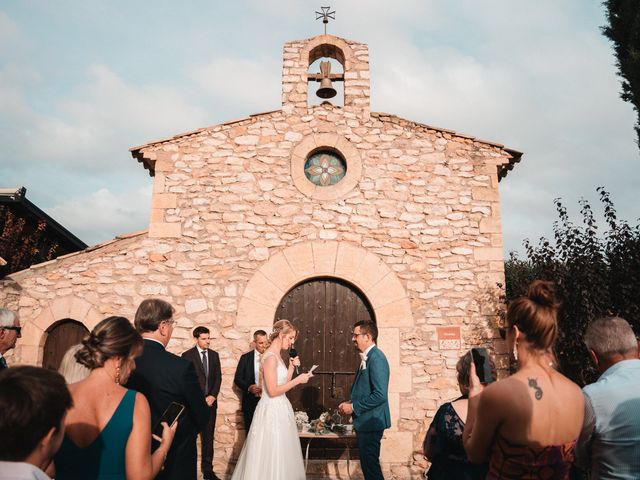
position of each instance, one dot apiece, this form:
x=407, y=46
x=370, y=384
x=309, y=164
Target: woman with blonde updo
x=272, y=449
x=72, y=370
x=108, y=429
x=526, y=425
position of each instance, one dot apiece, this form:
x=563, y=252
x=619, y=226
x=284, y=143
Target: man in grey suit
x=369, y=403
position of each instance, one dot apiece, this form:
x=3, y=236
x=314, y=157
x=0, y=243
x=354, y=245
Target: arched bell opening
x=326, y=76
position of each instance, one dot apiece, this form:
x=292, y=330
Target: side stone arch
x=34, y=332
x=364, y=270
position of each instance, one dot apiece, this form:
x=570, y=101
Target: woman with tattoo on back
x=530, y=421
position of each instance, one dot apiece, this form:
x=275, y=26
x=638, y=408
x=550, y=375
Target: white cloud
x=95, y=217
x=241, y=85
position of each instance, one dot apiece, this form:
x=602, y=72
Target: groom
x=369, y=404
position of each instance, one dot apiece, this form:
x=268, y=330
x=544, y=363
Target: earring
x=118, y=374
x=515, y=351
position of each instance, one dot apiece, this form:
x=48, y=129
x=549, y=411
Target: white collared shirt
x=364, y=356
x=256, y=365
x=21, y=471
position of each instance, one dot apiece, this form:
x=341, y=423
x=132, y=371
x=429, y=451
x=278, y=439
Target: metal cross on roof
x=325, y=15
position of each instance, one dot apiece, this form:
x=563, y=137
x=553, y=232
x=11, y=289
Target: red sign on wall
x=449, y=338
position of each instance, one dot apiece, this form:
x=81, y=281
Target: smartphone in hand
x=170, y=415
x=483, y=365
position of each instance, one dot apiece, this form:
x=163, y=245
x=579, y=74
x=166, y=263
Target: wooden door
x=324, y=310
x=61, y=336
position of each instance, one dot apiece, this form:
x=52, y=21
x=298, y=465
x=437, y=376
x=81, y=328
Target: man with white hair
x=609, y=444
x=10, y=332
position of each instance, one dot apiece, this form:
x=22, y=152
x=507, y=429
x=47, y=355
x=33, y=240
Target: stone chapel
x=323, y=214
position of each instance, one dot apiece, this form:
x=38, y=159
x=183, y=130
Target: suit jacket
x=369, y=394
x=245, y=377
x=215, y=372
x=163, y=378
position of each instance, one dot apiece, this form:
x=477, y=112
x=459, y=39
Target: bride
x=272, y=449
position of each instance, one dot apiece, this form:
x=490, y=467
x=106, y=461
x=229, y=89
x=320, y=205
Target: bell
x=326, y=89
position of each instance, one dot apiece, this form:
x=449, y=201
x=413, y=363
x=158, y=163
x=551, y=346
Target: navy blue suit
x=371, y=415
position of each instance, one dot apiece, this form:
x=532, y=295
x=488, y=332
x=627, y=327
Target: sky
x=82, y=82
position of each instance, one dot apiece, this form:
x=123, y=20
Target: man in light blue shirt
x=609, y=444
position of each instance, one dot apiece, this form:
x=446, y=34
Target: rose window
x=325, y=168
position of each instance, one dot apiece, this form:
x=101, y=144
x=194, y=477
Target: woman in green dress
x=108, y=429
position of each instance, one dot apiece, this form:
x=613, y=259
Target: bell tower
x=299, y=55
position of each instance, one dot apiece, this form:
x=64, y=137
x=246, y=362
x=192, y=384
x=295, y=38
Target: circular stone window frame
x=329, y=141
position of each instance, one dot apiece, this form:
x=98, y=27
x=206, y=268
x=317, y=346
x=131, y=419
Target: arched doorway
x=324, y=310
x=61, y=335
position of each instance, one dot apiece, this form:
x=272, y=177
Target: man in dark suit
x=10, y=332
x=247, y=377
x=369, y=404
x=207, y=364
x=163, y=378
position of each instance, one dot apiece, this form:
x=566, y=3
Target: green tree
x=623, y=30
x=595, y=275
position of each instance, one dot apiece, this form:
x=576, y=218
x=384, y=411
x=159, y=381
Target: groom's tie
x=3, y=363
x=205, y=365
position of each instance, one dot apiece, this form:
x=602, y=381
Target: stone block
x=490, y=225
x=165, y=230
x=157, y=215
x=395, y=314
x=401, y=380
x=324, y=257
x=487, y=194
x=164, y=200
x=251, y=313
x=488, y=253
x=278, y=271
x=61, y=308
x=195, y=305
x=397, y=447
x=387, y=290
x=262, y=290
x=389, y=343
x=371, y=271
x=300, y=259
x=394, y=409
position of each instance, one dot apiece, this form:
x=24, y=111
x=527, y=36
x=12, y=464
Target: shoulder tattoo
x=533, y=383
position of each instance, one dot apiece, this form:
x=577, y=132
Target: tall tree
x=624, y=31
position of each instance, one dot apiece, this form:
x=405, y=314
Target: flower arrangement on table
x=301, y=419
x=326, y=423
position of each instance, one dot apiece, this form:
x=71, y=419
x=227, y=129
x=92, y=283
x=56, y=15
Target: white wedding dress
x=272, y=448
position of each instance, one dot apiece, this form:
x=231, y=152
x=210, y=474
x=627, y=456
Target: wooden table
x=311, y=435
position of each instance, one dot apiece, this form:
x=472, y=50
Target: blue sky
x=81, y=82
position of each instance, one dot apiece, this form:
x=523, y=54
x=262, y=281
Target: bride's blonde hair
x=281, y=326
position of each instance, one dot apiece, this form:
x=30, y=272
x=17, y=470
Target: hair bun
x=543, y=293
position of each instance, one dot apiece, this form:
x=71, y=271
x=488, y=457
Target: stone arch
x=306, y=260
x=348, y=262
x=34, y=332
